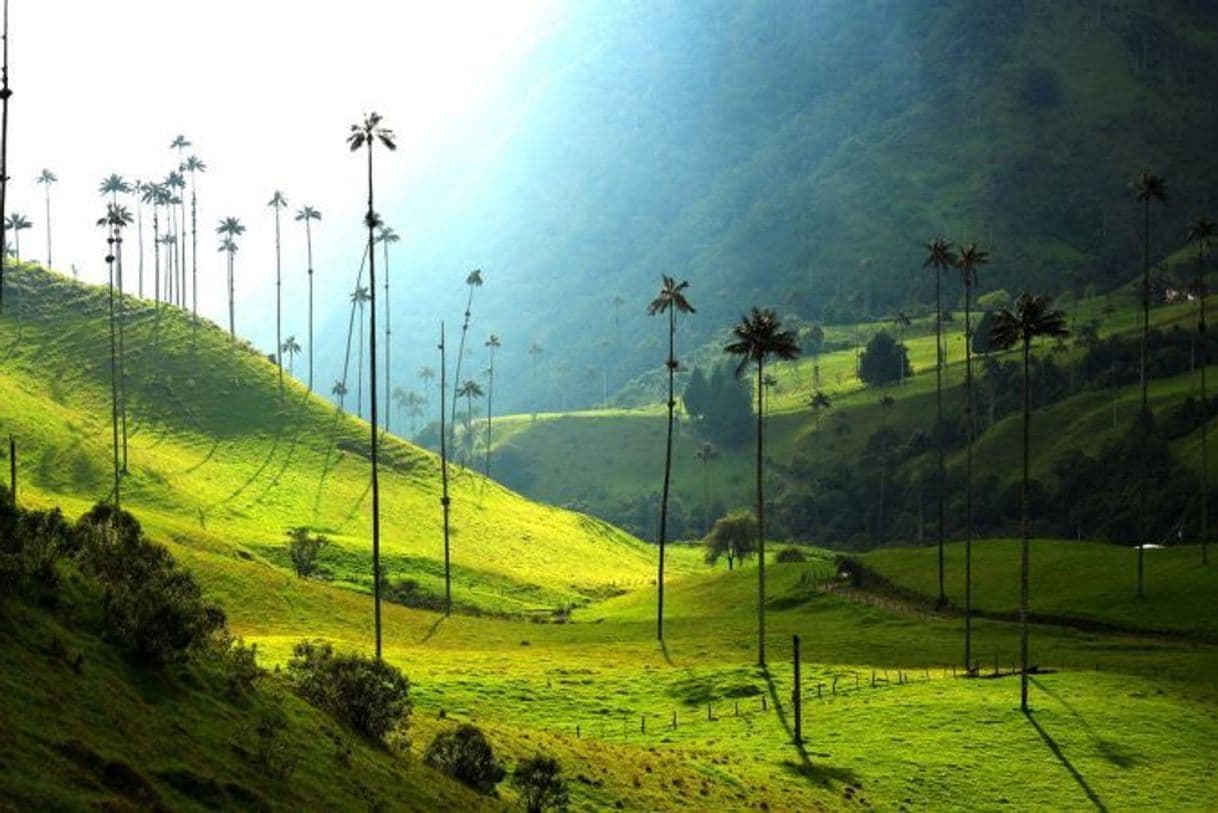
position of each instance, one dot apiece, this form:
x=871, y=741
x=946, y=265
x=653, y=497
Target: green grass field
x=219, y=470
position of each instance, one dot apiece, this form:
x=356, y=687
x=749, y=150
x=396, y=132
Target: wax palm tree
x=386, y=236
x=705, y=454
x=901, y=321
x=758, y=337
x=290, y=347
x=195, y=167
x=5, y=94
x=414, y=408
x=492, y=344
x=277, y=202
x=469, y=391
x=819, y=402
x=176, y=183
x=306, y=215
x=339, y=390
x=426, y=374
x=969, y=262
x=535, y=352
x=816, y=338
x=114, y=185
x=359, y=298
x=1032, y=318
x=155, y=195
x=365, y=135
x=1147, y=189
x=112, y=222
x=17, y=223
x=473, y=280
x=231, y=228
x=670, y=300
x=46, y=178
x=1202, y=232
x=939, y=256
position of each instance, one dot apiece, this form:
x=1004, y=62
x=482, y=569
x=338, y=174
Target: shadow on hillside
x=1056, y=750
x=817, y=775
x=1112, y=751
x=253, y=477
x=325, y=466
x=432, y=630
x=287, y=460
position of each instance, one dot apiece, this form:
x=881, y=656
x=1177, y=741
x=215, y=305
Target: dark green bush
x=305, y=550
x=464, y=754
x=791, y=555
x=540, y=783
x=371, y=696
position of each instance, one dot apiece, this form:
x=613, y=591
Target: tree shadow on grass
x=1110, y=750
x=664, y=651
x=253, y=477
x=432, y=630
x=816, y=774
x=1065, y=762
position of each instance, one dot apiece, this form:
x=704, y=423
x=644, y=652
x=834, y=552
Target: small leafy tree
x=540, y=783
x=884, y=361
x=369, y=695
x=464, y=754
x=305, y=550
x=734, y=537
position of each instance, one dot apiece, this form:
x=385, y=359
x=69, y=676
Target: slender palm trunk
x=278, y=306
x=376, y=488
x=672, y=367
x=156, y=287
x=460, y=356
x=444, y=500
x=760, y=515
x=309, y=244
x=968, y=468
x=50, y=262
x=139, y=229
x=359, y=366
x=1145, y=415
x=5, y=93
x=1023, y=527
x=194, y=260
x=1205, y=410
x=232, y=313
x=122, y=351
x=706, y=500
x=942, y=600
x=490, y=392
x=114, y=382
x=388, y=343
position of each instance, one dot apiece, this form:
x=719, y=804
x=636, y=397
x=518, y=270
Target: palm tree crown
x=307, y=213
x=1148, y=186
x=1033, y=317
x=371, y=130
x=46, y=177
x=759, y=335
x=230, y=227
x=114, y=185
x=671, y=296
x=969, y=260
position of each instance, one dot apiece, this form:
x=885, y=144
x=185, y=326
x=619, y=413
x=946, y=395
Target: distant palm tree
x=359, y=298
x=307, y=214
x=816, y=338
x=176, y=182
x=901, y=321
x=759, y=336
x=427, y=374
x=277, y=202
x=535, y=351
x=399, y=398
x=473, y=280
x=1033, y=317
x=386, y=236
x=155, y=195
x=939, y=257
x=617, y=303
x=340, y=390
x=194, y=166
x=114, y=185
x=819, y=403
x=1202, y=232
x=445, y=501
x=17, y=223
x=47, y=178
x=231, y=228
x=112, y=222
x=414, y=408
x=1147, y=188
x=706, y=453
x=290, y=347
x=366, y=134
x=970, y=260
x=670, y=299
x=469, y=391
x=492, y=344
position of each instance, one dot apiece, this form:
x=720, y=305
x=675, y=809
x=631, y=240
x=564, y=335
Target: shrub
x=541, y=785
x=464, y=754
x=305, y=550
x=149, y=604
x=240, y=665
x=370, y=696
x=791, y=555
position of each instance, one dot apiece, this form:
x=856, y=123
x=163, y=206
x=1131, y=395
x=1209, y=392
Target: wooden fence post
x=799, y=736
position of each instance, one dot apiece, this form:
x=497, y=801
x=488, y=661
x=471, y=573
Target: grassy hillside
x=216, y=462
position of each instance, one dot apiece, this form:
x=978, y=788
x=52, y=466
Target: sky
x=266, y=92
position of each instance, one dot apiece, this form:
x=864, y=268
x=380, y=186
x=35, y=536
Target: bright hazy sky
x=265, y=90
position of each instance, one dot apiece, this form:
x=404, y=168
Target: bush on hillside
x=149, y=604
x=464, y=754
x=370, y=696
x=884, y=361
x=540, y=783
x=790, y=555
x=305, y=550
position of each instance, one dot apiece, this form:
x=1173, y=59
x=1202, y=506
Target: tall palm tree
x=194, y=166
x=290, y=347
x=1202, y=232
x=155, y=194
x=1147, y=188
x=112, y=222
x=473, y=280
x=939, y=257
x=492, y=344
x=359, y=298
x=426, y=374
x=816, y=338
x=670, y=299
x=469, y=391
x=231, y=228
x=1033, y=317
x=901, y=321
x=17, y=223
x=307, y=214
x=47, y=178
x=706, y=453
x=386, y=236
x=759, y=336
x=970, y=260
x=5, y=94
x=277, y=202
x=364, y=135
x=445, y=502
x=176, y=182
x=414, y=408
x=114, y=185
x=340, y=391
